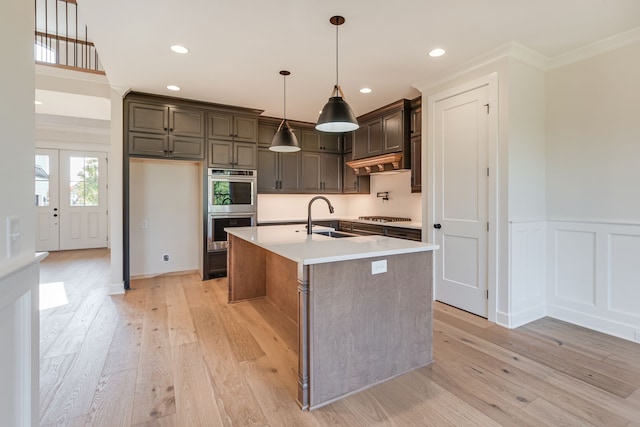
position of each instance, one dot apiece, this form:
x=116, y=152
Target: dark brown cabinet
x=366, y=229
x=312, y=140
x=352, y=183
x=232, y=155
x=384, y=131
x=322, y=172
x=157, y=130
x=232, y=127
x=416, y=145
x=279, y=172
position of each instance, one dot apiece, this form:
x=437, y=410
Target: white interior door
x=47, y=209
x=83, y=199
x=461, y=194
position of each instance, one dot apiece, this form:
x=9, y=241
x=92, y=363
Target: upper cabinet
x=313, y=140
x=384, y=131
x=165, y=131
x=416, y=145
x=232, y=127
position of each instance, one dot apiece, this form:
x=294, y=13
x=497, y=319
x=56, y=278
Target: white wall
x=18, y=313
x=401, y=201
x=290, y=207
x=167, y=195
x=593, y=197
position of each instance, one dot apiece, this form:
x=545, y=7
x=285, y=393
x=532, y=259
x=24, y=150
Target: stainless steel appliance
x=232, y=191
x=232, y=199
x=384, y=219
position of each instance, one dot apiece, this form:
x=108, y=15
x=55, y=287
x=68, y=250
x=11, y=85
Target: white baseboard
x=502, y=319
x=600, y=324
x=115, y=288
x=525, y=316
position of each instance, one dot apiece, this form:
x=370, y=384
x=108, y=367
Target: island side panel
x=245, y=270
x=282, y=284
x=367, y=328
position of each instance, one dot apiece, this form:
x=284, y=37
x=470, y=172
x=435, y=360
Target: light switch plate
x=13, y=236
x=378, y=267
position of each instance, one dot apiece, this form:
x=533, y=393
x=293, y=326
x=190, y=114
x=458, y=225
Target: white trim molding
x=593, y=276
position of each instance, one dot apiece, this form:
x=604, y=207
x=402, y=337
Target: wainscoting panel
x=527, y=272
x=593, y=275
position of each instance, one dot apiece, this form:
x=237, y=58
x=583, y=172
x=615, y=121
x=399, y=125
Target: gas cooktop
x=384, y=218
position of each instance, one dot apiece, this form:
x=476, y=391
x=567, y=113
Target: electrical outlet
x=378, y=267
x=166, y=258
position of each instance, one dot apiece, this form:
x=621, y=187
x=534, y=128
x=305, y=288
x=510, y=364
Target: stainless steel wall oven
x=232, y=199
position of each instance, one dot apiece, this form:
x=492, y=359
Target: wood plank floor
x=171, y=352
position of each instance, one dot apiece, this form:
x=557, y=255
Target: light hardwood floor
x=171, y=352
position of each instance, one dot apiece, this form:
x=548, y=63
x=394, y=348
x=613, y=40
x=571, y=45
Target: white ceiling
x=238, y=46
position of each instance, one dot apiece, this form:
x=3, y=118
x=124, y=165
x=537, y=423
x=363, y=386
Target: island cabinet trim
x=303, y=336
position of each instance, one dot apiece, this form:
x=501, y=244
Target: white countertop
x=292, y=242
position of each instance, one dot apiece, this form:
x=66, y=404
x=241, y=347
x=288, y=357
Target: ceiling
x=238, y=47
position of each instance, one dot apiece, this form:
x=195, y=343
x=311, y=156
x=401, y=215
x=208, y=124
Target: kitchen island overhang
x=362, y=305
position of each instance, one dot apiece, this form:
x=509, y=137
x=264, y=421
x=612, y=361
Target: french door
x=71, y=199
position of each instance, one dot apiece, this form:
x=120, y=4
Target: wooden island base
x=355, y=328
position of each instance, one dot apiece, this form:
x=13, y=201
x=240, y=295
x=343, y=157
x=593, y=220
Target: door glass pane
x=42, y=180
x=83, y=181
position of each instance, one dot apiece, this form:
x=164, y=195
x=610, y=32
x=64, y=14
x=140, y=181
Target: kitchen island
x=362, y=305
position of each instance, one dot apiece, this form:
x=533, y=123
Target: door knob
x=437, y=226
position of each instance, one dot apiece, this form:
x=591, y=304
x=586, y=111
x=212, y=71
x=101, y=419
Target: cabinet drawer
x=367, y=229
x=404, y=233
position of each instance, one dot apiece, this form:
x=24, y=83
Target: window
x=44, y=53
x=83, y=181
x=42, y=180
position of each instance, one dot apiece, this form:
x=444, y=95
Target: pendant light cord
x=284, y=84
x=337, y=84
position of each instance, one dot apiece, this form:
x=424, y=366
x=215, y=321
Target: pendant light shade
x=284, y=140
x=337, y=116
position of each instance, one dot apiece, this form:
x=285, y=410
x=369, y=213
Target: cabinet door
x=330, y=142
x=186, y=122
x=186, y=148
x=267, y=171
x=266, y=134
x=145, y=144
x=245, y=129
x=331, y=167
x=349, y=177
x=348, y=142
x=310, y=140
x=393, y=132
x=311, y=179
x=290, y=172
x=220, y=125
x=375, y=138
x=416, y=164
x=148, y=118
x=416, y=121
x=244, y=155
x=360, y=142
x=221, y=154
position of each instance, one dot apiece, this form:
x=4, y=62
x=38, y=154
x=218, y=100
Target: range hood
x=382, y=163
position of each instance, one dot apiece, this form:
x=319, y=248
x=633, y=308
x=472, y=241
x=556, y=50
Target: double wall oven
x=232, y=198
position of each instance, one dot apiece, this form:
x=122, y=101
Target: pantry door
x=461, y=199
x=46, y=199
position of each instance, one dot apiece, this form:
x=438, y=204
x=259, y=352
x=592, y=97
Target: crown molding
x=601, y=46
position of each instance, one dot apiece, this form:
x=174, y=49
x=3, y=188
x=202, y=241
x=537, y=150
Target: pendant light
x=284, y=140
x=336, y=116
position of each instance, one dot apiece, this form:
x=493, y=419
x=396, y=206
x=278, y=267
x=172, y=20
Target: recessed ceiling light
x=436, y=52
x=179, y=49
x=38, y=102
x=173, y=87
x=365, y=90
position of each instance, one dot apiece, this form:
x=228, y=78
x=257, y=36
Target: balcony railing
x=60, y=40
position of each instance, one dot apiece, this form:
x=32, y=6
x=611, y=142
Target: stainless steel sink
x=336, y=234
